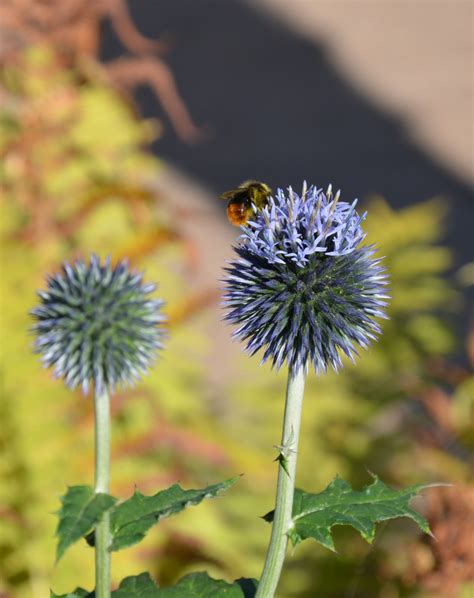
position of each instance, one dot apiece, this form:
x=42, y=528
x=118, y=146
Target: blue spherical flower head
x=96, y=323
x=304, y=288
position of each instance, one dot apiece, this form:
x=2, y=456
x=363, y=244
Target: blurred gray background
x=371, y=96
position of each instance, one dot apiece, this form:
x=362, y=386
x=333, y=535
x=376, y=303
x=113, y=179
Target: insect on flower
x=303, y=287
x=243, y=202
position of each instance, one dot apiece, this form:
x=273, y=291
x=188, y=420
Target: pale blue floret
x=303, y=288
x=96, y=324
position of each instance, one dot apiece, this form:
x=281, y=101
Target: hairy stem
x=102, y=475
x=285, y=485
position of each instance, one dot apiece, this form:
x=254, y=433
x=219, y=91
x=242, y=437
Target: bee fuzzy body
x=242, y=202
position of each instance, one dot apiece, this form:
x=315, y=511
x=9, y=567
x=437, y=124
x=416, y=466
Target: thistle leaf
x=194, y=585
x=78, y=593
x=130, y=520
x=315, y=514
x=81, y=509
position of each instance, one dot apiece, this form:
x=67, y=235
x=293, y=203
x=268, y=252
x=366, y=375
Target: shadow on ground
x=279, y=111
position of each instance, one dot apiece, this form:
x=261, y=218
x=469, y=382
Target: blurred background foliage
x=77, y=176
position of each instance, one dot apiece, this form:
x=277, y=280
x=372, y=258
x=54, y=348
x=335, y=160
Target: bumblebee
x=242, y=201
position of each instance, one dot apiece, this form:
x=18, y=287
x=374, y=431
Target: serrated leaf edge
x=405, y=493
x=60, y=553
x=169, y=512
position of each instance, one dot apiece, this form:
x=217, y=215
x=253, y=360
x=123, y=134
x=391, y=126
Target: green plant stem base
x=102, y=476
x=285, y=485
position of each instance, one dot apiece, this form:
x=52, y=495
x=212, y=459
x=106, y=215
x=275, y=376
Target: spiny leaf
x=81, y=509
x=137, y=586
x=131, y=519
x=78, y=593
x=315, y=514
x=195, y=585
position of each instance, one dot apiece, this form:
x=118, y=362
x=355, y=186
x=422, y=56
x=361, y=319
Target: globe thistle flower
x=303, y=288
x=96, y=323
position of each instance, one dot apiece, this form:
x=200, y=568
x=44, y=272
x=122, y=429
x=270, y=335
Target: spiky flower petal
x=96, y=323
x=304, y=289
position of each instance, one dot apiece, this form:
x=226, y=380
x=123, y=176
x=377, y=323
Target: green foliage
x=195, y=585
x=80, y=510
x=131, y=519
x=418, y=288
x=315, y=514
x=77, y=593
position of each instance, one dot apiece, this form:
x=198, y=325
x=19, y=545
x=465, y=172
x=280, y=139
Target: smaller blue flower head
x=96, y=323
x=303, y=288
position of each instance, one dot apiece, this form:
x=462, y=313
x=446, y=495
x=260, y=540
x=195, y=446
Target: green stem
x=285, y=485
x=102, y=475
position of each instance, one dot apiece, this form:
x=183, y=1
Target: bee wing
x=229, y=194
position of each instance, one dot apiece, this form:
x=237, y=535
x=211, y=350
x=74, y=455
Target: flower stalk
x=96, y=325
x=303, y=290
x=102, y=478
x=285, y=485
